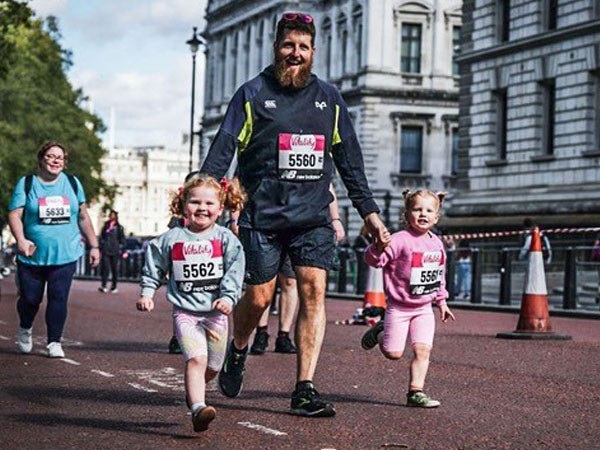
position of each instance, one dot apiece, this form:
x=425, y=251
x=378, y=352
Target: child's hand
x=445, y=313
x=145, y=304
x=223, y=306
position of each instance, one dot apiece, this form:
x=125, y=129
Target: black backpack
x=29, y=182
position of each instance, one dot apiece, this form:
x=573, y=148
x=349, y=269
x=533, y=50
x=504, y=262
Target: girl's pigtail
x=441, y=195
x=176, y=207
x=235, y=196
x=406, y=193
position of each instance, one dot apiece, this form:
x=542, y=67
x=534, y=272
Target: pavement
x=118, y=388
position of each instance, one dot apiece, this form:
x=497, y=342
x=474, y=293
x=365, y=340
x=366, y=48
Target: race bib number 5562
x=426, y=272
x=197, y=266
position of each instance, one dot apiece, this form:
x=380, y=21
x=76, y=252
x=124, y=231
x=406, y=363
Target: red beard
x=288, y=79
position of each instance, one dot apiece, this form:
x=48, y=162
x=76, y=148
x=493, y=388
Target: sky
x=131, y=56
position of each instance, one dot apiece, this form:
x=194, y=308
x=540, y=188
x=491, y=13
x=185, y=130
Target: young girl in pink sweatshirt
x=413, y=271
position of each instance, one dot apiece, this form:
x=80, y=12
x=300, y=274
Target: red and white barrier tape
x=495, y=234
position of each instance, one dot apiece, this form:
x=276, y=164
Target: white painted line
x=104, y=374
x=141, y=388
x=254, y=426
x=4, y=338
x=2, y=322
x=159, y=383
x=70, y=361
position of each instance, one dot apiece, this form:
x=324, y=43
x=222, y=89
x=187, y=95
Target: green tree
x=37, y=103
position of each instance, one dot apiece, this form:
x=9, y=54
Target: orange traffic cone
x=534, y=319
x=374, y=295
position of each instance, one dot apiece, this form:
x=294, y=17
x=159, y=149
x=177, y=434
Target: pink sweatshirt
x=413, y=268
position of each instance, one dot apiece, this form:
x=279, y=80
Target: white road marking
x=4, y=338
x=70, y=361
x=167, y=377
x=159, y=383
x=263, y=429
x=104, y=374
x=2, y=322
x=141, y=388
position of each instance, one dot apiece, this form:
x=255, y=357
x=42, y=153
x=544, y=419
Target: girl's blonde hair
x=411, y=196
x=230, y=193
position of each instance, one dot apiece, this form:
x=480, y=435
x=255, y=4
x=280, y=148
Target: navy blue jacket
x=262, y=119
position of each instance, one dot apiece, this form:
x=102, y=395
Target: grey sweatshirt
x=201, y=267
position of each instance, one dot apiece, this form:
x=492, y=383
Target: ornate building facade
x=394, y=63
x=529, y=114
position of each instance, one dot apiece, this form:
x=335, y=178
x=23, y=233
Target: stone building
x=146, y=176
x=394, y=63
x=529, y=114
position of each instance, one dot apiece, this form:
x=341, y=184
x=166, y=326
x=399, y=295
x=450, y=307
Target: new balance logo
x=270, y=104
x=321, y=105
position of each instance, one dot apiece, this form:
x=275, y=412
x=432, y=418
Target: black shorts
x=265, y=250
x=286, y=269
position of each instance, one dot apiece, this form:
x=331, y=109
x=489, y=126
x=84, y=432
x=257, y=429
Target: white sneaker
x=24, y=340
x=55, y=350
x=103, y=289
x=114, y=291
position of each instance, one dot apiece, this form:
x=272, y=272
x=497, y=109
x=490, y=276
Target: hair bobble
x=225, y=184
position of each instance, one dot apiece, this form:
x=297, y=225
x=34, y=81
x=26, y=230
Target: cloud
x=45, y=8
x=150, y=108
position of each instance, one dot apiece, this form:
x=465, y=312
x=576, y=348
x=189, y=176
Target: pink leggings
x=202, y=335
x=399, y=320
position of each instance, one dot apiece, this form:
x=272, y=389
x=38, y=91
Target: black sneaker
x=283, y=344
x=174, y=347
x=307, y=402
x=231, y=376
x=369, y=339
x=260, y=344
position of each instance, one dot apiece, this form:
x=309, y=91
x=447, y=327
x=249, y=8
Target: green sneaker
x=420, y=399
x=369, y=339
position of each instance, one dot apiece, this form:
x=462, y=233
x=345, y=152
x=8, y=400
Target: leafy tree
x=37, y=103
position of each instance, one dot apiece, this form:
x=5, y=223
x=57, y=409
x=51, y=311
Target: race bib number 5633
x=301, y=156
x=197, y=266
x=54, y=210
x=426, y=272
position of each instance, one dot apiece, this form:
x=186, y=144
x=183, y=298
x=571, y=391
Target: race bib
x=301, y=156
x=426, y=272
x=54, y=210
x=197, y=266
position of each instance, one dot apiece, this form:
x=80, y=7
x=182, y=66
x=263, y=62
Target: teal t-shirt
x=50, y=220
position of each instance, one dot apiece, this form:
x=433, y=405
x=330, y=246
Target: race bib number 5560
x=197, y=266
x=301, y=156
x=426, y=272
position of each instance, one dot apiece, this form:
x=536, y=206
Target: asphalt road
x=118, y=388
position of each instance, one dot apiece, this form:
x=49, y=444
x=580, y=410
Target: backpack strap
x=73, y=182
x=28, y=183
x=71, y=178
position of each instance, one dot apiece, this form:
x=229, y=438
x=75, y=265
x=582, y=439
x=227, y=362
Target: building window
x=234, y=61
x=455, y=50
x=358, y=31
x=550, y=13
x=454, y=168
x=503, y=20
x=223, y=66
x=246, y=55
x=411, y=149
x=501, y=105
x=259, y=46
x=596, y=111
x=343, y=40
x=548, y=116
x=410, y=60
x=328, y=50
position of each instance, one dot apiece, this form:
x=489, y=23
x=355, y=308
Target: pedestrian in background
x=112, y=240
x=205, y=266
x=413, y=270
x=463, y=271
x=546, y=248
x=47, y=216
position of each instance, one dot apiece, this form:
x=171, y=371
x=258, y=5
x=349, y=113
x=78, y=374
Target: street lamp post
x=194, y=44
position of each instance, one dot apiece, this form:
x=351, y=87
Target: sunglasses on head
x=290, y=17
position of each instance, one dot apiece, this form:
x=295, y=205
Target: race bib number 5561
x=426, y=272
x=197, y=266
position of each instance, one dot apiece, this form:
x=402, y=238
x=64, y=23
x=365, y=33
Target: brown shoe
x=203, y=418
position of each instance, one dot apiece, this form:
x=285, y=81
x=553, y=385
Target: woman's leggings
x=31, y=281
x=111, y=261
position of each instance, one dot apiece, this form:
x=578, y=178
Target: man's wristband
x=337, y=218
x=94, y=247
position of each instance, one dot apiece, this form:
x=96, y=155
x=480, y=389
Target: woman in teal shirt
x=47, y=216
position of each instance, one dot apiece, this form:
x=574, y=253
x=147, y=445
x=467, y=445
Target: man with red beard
x=289, y=129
